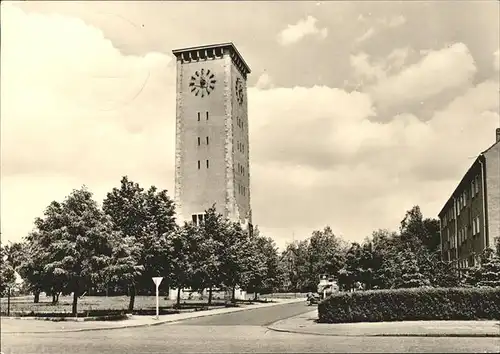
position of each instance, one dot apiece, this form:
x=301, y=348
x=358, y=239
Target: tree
x=208, y=267
x=326, y=254
x=160, y=213
x=184, y=256
x=264, y=274
x=386, y=246
x=145, y=219
x=124, y=267
x=367, y=265
x=7, y=274
x=238, y=257
x=412, y=229
x=37, y=254
x=411, y=275
x=432, y=237
x=350, y=272
x=75, y=236
x=15, y=254
x=126, y=207
x=444, y=274
x=489, y=272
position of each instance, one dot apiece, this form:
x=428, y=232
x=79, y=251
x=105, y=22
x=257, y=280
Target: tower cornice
x=213, y=51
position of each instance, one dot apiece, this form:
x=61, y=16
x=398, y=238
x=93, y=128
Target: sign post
x=157, y=281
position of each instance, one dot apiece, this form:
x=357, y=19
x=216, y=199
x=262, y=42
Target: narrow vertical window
x=207, y=115
x=194, y=218
x=207, y=140
x=198, y=116
x=199, y=141
x=199, y=164
x=207, y=163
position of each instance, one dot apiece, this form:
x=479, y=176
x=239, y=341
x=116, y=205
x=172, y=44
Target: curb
x=198, y=314
x=462, y=335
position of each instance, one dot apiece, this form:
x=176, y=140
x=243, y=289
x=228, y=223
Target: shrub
x=411, y=304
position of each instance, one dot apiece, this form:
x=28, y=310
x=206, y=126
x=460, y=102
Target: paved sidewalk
x=305, y=324
x=18, y=326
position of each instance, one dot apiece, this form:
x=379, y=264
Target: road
x=240, y=332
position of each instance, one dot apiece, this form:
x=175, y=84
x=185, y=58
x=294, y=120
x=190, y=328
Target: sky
x=357, y=110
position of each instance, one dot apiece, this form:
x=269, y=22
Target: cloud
x=394, y=21
x=496, y=60
x=365, y=70
x=80, y=113
x=73, y=117
x=378, y=26
x=365, y=36
x=326, y=162
x=438, y=71
x=264, y=81
x=304, y=27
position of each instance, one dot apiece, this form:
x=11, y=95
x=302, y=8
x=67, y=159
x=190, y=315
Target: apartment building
x=470, y=219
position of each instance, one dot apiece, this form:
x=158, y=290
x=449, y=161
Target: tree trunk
x=210, y=295
x=37, y=297
x=178, y=296
x=233, y=294
x=255, y=296
x=54, y=300
x=74, y=311
x=132, y=298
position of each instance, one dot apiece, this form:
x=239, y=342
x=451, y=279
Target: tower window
x=199, y=141
x=207, y=163
x=198, y=116
x=199, y=164
x=207, y=140
x=194, y=218
x=207, y=115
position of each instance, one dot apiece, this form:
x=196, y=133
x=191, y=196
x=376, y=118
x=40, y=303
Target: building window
x=473, y=189
x=195, y=219
x=198, y=116
x=477, y=184
x=207, y=164
x=207, y=140
x=199, y=164
x=207, y=115
x=199, y=141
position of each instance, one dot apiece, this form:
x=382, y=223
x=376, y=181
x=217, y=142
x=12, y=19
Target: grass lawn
x=25, y=304
x=143, y=304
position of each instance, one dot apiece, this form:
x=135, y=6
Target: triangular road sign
x=157, y=280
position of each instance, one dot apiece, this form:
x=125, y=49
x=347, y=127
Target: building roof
x=480, y=157
x=228, y=45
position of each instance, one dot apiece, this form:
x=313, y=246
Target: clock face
x=239, y=90
x=202, y=83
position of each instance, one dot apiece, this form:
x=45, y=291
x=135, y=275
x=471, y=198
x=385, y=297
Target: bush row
x=411, y=305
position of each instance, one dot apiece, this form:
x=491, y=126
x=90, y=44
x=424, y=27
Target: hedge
x=411, y=305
